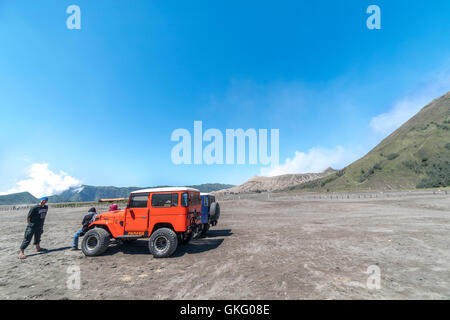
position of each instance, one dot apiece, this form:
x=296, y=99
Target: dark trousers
x=30, y=231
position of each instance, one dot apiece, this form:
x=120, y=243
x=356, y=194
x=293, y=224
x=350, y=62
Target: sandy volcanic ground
x=288, y=247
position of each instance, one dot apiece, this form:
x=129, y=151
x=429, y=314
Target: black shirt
x=37, y=214
x=87, y=220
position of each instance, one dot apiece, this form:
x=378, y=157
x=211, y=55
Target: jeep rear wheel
x=163, y=243
x=205, y=229
x=95, y=242
x=185, y=238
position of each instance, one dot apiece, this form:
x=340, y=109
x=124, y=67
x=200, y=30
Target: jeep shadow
x=218, y=233
x=198, y=245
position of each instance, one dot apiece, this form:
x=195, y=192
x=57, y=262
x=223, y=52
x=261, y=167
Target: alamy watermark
x=374, y=279
x=74, y=277
x=74, y=20
x=233, y=151
x=374, y=20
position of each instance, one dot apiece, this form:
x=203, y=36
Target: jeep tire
x=163, y=243
x=95, y=242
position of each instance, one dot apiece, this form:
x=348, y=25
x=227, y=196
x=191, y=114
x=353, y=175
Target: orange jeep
x=167, y=216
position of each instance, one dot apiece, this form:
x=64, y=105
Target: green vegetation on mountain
x=416, y=155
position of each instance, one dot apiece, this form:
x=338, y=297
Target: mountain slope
x=416, y=155
x=18, y=198
x=87, y=193
x=264, y=184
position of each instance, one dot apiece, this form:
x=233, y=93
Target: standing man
x=35, y=220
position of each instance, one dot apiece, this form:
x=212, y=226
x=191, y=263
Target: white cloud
x=315, y=160
x=41, y=181
x=401, y=112
x=406, y=107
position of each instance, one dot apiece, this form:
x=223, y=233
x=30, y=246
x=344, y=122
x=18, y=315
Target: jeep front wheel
x=163, y=243
x=95, y=242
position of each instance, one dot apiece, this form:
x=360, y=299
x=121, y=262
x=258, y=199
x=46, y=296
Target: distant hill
x=18, y=198
x=86, y=193
x=94, y=193
x=416, y=155
x=264, y=184
x=210, y=187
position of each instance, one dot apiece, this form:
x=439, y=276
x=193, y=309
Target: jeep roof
x=165, y=189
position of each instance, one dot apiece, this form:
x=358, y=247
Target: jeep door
x=165, y=209
x=136, y=215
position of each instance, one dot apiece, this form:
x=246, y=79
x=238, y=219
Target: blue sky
x=99, y=104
